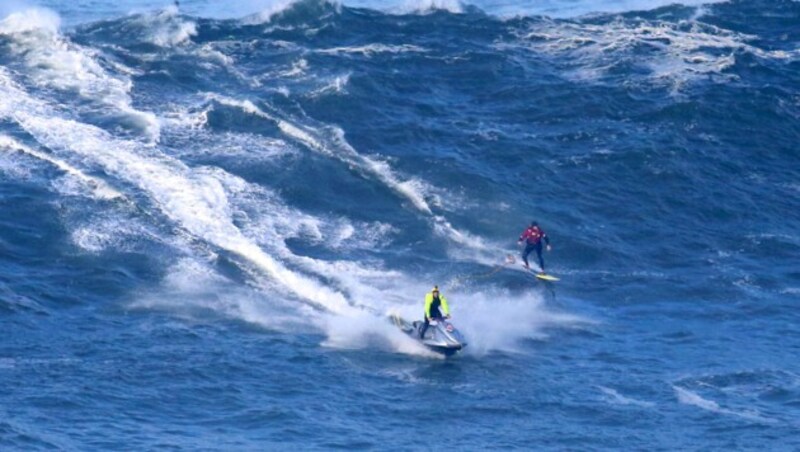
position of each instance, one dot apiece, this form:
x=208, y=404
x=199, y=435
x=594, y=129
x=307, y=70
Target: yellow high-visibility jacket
x=429, y=300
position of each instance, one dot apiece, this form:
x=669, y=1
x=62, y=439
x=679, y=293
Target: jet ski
x=441, y=337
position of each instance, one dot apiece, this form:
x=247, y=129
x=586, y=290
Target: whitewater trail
x=470, y=247
x=194, y=199
x=198, y=204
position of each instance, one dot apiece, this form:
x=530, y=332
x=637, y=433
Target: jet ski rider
x=434, y=301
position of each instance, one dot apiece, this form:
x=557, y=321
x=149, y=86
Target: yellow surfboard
x=541, y=275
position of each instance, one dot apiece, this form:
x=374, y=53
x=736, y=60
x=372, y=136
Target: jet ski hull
x=446, y=351
x=441, y=337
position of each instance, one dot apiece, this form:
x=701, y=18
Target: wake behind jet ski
x=435, y=332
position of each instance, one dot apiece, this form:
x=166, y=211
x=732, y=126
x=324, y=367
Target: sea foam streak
x=332, y=143
x=99, y=188
x=196, y=203
x=691, y=398
x=339, y=149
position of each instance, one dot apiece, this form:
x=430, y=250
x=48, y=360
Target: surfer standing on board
x=533, y=237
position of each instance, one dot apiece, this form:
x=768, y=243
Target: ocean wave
x=333, y=144
x=293, y=11
x=166, y=28
x=423, y=6
x=193, y=288
x=14, y=301
x=30, y=20
x=201, y=201
x=500, y=9
x=194, y=201
x=272, y=11
x=671, y=53
x=159, y=29
x=329, y=141
x=578, y=8
x=50, y=60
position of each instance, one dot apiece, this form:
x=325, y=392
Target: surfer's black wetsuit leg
x=528, y=248
x=423, y=328
x=538, y=248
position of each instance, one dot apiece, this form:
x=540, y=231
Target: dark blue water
x=206, y=215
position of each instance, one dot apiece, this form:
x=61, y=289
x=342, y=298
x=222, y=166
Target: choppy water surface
x=207, y=212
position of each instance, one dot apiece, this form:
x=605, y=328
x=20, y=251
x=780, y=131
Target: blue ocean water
x=207, y=212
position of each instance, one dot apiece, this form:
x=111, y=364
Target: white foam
x=268, y=9
x=337, y=85
x=425, y=6
x=166, y=28
x=349, y=235
x=368, y=331
x=617, y=398
x=122, y=230
x=506, y=9
x=11, y=167
x=298, y=68
x=369, y=50
x=97, y=187
x=93, y=240
x=52, y=61
x=681, y=51
x=209, y=52
x=192, y=285
x=181, y=119
x=688, y=397
x=497, y=320
x=241, y=147
x=33, y=19
x=574, y=8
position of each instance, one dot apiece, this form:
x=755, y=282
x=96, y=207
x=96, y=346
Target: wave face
x=207, y=214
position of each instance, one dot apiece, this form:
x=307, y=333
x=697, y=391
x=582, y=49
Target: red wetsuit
x=533, y=237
